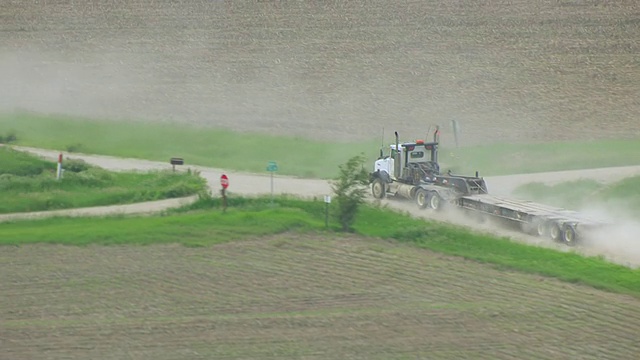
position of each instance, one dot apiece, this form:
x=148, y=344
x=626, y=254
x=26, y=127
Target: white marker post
x=272, y=167
x=327, y=201
x=59, y=171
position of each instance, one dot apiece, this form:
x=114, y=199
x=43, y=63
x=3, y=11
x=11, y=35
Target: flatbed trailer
x=559, y=224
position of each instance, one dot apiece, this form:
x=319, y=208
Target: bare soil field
x=296, y=296
x=507, y=71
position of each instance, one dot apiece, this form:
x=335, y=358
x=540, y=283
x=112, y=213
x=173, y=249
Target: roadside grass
x=197, y=145
x=622, y=195
x=204, y=224
x=295, y=156
x=28, y=183
x=22, y=164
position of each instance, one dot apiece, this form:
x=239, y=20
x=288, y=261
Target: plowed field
x=507, y=71
x=296, y=296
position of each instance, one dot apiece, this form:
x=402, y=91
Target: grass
x=295, y=156
x=29, y=183
x=196, y=145
x=584, y=193
x=200, y=225
x=22, y=164
x=190, y=229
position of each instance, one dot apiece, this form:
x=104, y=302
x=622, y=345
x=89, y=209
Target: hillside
x=507, y=71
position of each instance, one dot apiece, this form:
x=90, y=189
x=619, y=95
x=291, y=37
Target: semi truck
x=411, y=170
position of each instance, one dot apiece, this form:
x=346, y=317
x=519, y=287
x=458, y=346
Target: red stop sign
x=224, y=181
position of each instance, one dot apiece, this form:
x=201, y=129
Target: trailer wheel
x=569, y=235
x=541, y=227
x=378, y=189
x=422, y=198
x=435, y=201
x=555, y=232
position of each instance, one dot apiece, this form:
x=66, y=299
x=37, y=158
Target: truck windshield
x=417, y=154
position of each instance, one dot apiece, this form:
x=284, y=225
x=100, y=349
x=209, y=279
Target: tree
x=350, y=189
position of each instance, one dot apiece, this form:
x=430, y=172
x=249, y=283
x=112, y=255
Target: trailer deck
x=534, y=217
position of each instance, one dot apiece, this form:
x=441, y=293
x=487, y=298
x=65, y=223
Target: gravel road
x=621, y=247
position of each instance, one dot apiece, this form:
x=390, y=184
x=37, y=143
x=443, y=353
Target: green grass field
x=203, y=224
x=295, y=156
x=28, y=183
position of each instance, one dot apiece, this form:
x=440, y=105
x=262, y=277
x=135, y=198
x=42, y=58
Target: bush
x=350, y=189
x=93, y=177
x=75, y=165
x=10, y=137
x=75, y=148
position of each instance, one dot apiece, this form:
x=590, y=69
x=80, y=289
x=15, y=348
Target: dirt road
x=253, y=184
x=620, y=247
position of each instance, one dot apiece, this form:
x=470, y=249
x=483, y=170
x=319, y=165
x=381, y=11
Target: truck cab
x=409, y=162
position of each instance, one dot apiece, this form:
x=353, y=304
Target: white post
x=272, y=187
x=59, y=171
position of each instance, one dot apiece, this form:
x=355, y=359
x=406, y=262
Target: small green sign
x=272, y=166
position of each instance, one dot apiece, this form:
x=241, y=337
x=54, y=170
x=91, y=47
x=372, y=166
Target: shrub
x=74, y=148
x=75, y=165
x=8, y=138
x=349, y=188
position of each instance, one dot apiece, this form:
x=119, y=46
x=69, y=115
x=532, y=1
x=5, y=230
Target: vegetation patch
x=220, y=148
x=29, y=183
x=204, y=223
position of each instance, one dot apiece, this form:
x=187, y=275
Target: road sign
x=224, y=181
x=272, y=166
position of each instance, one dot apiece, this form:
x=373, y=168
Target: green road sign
x=272, y=166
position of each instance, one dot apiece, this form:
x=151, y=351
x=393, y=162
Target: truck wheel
x=435, y=201
x=422, y=198
x=378, y=189
x=555, y=232
x=569, y=235
x=541, y=227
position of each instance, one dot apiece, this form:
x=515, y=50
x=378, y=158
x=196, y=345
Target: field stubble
x=295, y=296
x=526, y=71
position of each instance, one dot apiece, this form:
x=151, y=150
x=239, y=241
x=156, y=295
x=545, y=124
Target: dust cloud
x=619, y=239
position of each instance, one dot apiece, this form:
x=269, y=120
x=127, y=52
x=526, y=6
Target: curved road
x=620, y=247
